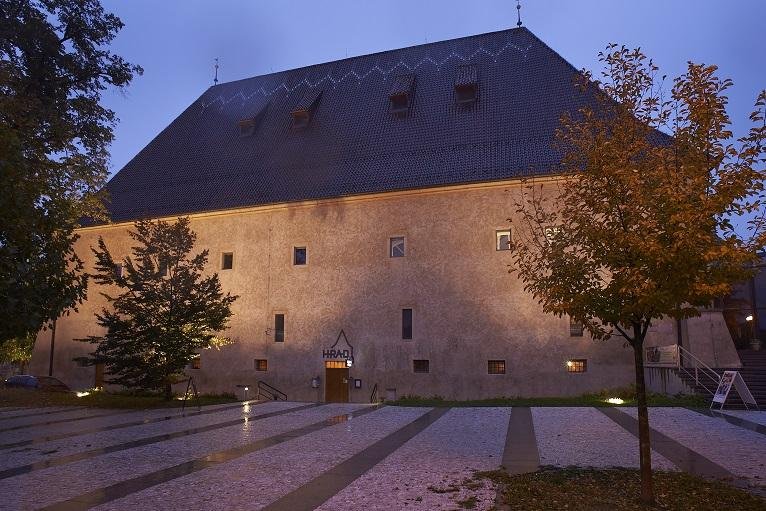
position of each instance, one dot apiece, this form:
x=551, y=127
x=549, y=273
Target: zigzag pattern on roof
x=359, y=77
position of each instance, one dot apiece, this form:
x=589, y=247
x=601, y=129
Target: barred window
x=579, y=365
x=396, y=246
x=227, y=261
x=420, y=366
x=196, y=362
x=261, y=364
x=575, y=328
x=495, y=366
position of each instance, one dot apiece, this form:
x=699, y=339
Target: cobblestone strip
x=19, y=412
x=126, y=487
x=683, y=457
x=436, y=468
x=90, y=414
x=732, y=419
x=71, y=458
x=22, y=440
x=321, y=488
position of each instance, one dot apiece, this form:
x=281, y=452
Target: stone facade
x=467, y=309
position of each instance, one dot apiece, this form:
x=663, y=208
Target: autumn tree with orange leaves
x=639, y=225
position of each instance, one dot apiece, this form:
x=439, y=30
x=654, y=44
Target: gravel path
x=428, y=472
x=35, y=489
x=741, y=451
x=257, y=479
x=586, y=437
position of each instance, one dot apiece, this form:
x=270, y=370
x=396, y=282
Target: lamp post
x=750, y=322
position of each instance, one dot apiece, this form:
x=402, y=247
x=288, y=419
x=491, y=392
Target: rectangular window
x=575, y=328
x=299, y=256
x=196, y=362
x=503, y=240
x=118, y=270
x=495, y=366
x=420, y=366
x=396, y=246
x=227, y=261
x=406, y=323
x=579, y=365
x=261, y=364
x=279, y=328
x=163, y=268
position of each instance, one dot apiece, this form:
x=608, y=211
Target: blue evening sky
x=176, y=41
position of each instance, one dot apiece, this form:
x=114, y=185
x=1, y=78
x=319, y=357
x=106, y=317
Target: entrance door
x=336, y=385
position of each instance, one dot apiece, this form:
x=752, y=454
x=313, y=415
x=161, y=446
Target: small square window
x=261, y=364
x=396, y=246
x=119, y=270
x=406, y=323
x=579, y=365
x=279, y=328
x=227, y=261
x=503, y=240
x=420, y=366
x=196, y=362
x=576, y=328
x=495, y=366
x=299, y=256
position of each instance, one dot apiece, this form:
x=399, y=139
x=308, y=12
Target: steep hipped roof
x=354, y=144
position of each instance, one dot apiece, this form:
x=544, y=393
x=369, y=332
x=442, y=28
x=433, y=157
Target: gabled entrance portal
x=336, y=381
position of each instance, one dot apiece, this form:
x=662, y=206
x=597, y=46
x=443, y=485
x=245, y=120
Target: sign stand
x=728, y=379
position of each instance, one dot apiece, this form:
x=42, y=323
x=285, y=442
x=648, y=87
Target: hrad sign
x=661, y=356
x=729, y=379
x=342, y=351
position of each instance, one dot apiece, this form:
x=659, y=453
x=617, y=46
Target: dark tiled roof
x=354, y=144
x=402, y=85
x=308, y=100
x=466, y=75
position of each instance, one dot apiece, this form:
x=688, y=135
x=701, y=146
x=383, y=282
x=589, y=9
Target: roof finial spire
x=518, y=12
x=215, y=79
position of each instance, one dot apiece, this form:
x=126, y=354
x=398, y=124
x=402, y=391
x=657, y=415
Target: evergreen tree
x=165, y=310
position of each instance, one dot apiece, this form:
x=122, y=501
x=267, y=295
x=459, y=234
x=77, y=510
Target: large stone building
x=371, y=195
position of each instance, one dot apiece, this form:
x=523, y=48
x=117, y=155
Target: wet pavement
x=292, y=456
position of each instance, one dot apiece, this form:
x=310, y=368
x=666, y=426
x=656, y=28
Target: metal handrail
x=273, y=393
x=700, y=369
x=374, y=394
x=190, y=384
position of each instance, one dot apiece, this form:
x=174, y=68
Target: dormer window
x=248, y=125
x=401, y=94
x=304, y=110
x=466, y=85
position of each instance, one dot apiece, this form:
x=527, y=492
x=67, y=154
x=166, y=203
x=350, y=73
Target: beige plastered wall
x=467, y=308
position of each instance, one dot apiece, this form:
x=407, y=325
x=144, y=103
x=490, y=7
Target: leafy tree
x=638, y=224
x=54, y=135
x=18, y=351
x=164, y=312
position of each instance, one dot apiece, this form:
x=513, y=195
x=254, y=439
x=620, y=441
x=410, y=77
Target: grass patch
x=616, y=490
x=599, y=399
x=131, y=400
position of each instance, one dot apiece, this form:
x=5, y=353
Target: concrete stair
x=753, y=371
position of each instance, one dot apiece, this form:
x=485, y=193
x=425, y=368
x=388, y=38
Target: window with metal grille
x=576, y=328
x=279, y=328
x=578, y=365
x=420, y=366
x=227, y=261
x=196, y=362
x=496, y=366
x=406, y=323
x=396, y=246
x=261, y=364
x=299, y=256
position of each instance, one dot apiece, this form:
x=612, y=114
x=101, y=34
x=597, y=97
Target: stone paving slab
x=740, y=451
x=424, y=473
x=28, y=422
x=257, y=479
x=587, y=438
x=33, y=490
x=7, y=413
x=759, y=417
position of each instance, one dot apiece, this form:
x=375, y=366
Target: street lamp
x=749, y=320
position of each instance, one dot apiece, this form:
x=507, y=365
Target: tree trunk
x=644, y=445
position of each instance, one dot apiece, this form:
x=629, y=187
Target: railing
x=273, y=394
x=190, y=385
x=374, y=394
x=703, y=375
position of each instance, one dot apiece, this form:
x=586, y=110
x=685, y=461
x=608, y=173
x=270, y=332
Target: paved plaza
x=291, y=456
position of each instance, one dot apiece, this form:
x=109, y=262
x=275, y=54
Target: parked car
x=46, y=383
